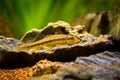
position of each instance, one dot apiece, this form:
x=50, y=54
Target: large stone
x=63, y=43
x=57, y=47
x=101, y=66
x=59, y=27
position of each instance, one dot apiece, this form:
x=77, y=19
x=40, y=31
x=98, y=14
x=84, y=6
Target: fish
x=49, y=42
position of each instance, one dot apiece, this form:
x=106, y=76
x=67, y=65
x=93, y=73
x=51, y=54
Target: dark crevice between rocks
x=70, y=77
x=104, y=24
x=11, y=59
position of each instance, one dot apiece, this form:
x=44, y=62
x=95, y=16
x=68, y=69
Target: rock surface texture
x=60, y=52
x=101, y=66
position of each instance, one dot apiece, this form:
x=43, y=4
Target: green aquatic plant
x=27, y=14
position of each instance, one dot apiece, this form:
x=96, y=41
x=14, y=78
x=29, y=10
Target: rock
x=101, y=66
x=8, y=44
x=114, y=18
x=56, y=47
x=30, y=36
x=107, y=22
x=63, y=43
x=59, y=27
x=87, y=45
x=44, y=67
x=85, y=20
x=100, y=25
x=95, y=23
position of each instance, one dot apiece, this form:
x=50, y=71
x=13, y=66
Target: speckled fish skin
x=50, y=42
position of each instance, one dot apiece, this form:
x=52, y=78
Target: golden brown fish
x=49, y=42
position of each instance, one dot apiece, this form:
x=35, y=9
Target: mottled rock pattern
x=59, y=27
x=45, y=67
x=65, y=50
x=8, y=44
x=107, y=22
x=95, y=23
x=85, y=20
x=59, y=42
x=101, y=66
x=88, y=45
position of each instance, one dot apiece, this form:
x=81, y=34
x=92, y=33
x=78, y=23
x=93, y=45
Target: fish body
x=49, y=42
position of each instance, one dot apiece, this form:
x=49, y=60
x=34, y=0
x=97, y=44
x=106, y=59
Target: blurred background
x=19, y=16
